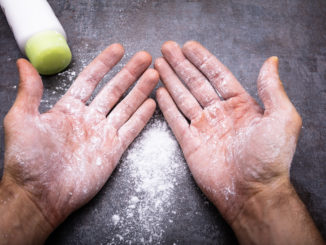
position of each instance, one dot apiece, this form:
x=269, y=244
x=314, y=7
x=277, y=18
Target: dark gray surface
x=242, y=33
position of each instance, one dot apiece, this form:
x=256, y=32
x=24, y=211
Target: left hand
x=234, y=148
x=60, y=159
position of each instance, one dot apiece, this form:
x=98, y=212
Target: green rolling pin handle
x=48, y=52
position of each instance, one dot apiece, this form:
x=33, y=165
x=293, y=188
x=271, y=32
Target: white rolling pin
x=38, y=33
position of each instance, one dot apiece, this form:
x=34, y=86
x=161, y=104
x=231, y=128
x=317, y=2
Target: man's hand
x=236, y=150
x=60, y=159
x=233, y=147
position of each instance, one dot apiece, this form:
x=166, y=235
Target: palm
x=69, y=144
x=220, y=136
x=63, y=157
x=232, y=146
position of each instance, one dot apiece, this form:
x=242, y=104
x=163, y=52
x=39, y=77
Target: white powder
x=154, y=164
x=98, y=161
x=115, y=219
x=67, y=75
x=52, y=94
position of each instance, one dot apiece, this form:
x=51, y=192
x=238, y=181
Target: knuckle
x=8, y=119
x=297, y=119
x=153, y=74
x=293, y=117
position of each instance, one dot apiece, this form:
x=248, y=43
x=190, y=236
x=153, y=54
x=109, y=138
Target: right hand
x=60, y=159
x=235, y=149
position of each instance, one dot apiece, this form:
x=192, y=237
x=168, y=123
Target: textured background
x=242, y=33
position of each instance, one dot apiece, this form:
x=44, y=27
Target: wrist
x=22, y=222
x=257, y=211
x=275, y=215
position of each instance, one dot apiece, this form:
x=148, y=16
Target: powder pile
x=154, y=164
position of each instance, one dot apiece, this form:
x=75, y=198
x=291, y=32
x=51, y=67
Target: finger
x=30, y=88
x=218, y=74
x=195, y=81
x=111, y=93
x=129, y=131
x=124, y=110
x=176, y=121
x=270, y=88
x=180, y=94
x=88, y=79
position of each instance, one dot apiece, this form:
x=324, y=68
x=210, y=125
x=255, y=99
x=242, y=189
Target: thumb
x=270, y=88
x=30, y=88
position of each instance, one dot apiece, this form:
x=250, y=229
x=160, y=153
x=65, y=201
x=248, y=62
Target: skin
x=57, y=161
x=239, y=153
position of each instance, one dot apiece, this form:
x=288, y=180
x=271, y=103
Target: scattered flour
x=54, y=90
x=115, y=219
x=154, y=164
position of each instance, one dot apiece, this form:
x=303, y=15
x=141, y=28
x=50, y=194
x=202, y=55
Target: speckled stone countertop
x=139, y=205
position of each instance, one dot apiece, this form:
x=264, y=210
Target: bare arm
x=239, y=153
x=21, y=220
x=276, y=216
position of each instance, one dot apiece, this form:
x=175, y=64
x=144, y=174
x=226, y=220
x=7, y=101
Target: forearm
x=21, y=222
x=276, y=216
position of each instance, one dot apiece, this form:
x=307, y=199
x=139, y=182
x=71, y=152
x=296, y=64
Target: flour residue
x=154, y=164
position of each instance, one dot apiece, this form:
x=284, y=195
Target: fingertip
x=152, y=74
x=151, y=78
x=276, y=63
x=159, y=62
x=151, y=103
x=115, y=49
x=269, y=67
x=21, y=61
x=26, y=69
x=30, y=88
x=189, y=45
x=169, y=43
x=160, y=92
x=117, y=46
x=273, y=58
x=139, y=63
x=144, y=57
x=270, y=87
x=168, y=46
